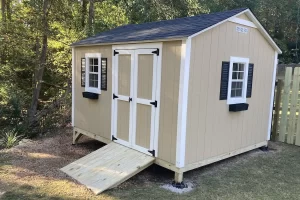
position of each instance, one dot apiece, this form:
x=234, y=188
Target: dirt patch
x=31, y=171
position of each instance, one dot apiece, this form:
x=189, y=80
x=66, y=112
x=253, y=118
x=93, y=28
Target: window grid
x=237, y=79
x=93, y=72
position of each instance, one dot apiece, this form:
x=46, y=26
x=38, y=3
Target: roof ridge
x=163, y=29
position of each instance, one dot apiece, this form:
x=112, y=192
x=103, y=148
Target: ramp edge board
x=108, y=167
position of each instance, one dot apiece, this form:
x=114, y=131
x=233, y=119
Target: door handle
x=154, y=103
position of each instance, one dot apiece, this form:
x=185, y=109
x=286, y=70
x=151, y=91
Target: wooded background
x=35, y=56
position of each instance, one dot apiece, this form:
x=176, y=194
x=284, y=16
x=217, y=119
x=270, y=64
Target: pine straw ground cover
x=31, y=171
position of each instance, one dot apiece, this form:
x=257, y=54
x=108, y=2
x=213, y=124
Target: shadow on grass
x=29, y=193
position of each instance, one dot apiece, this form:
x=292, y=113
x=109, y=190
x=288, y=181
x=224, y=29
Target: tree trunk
x=91, y=18
x=39, y=71
x=3, y=9
x=83, y=12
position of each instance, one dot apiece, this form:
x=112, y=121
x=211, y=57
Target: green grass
x=254, y=175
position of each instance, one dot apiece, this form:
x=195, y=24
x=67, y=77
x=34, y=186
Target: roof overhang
x=131, y=42
x=255, y=21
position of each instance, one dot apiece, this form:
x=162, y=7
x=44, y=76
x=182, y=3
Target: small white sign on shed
x=241, y=29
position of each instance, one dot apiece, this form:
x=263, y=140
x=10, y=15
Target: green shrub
x=9, y=138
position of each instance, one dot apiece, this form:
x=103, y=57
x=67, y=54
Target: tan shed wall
x=211, y=129
x=170, y=74
x=93, y=115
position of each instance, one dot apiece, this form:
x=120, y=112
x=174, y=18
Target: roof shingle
x=166, y=29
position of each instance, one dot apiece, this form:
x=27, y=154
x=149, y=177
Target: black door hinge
x=113, y=138
x=154, y=103
x=115, y=52
x=152, y=152
x=115, y=96
x=130, y=99
x=156, y=52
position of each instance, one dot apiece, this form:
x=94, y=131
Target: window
x=237, y=84
x=93, y=72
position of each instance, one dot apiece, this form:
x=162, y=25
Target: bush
x=10, y=138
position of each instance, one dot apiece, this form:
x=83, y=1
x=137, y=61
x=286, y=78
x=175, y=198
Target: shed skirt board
x=107, y=167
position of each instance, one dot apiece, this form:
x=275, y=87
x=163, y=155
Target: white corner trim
x=182, y=102
x=73, y=84
x=242, y=22
x=272, y=95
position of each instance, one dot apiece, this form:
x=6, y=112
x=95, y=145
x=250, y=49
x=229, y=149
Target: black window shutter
x=103, y=73
x=224, y=80
x=250, y=80
x=83, y=72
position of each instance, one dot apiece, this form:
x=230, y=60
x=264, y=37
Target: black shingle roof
x=166, y=29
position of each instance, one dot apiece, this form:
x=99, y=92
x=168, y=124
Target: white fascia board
x=183, y=102
x=263, y=31
x=242, y=22
x=272, y=95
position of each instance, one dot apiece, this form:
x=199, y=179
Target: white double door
x=134, y=98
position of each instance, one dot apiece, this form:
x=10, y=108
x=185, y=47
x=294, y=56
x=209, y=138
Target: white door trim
x=121, y=97
x=157, y=91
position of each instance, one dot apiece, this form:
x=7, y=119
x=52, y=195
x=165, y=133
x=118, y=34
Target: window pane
x=241, y=67
x=235, y=75
x=91, y=61
x=233, y=85
x=91, y=68
x=93, y=82
x=241, y=75
x=232, y=93
x=96, y=68
x=239, y=85
x=95, y=61
x=235, y=66
x=238, y=92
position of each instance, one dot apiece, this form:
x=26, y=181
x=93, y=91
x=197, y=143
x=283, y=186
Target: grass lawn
x=31, y=171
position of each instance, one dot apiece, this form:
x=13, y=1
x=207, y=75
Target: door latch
x=130, y=99
x=154, y=103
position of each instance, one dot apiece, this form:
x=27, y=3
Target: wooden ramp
x=108, y=167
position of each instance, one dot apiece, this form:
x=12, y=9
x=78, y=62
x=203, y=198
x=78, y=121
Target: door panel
x=143, y=125
x=124, y=74
x=123, y=114
x=134, y=77
x=144, y=94
x=145, y=76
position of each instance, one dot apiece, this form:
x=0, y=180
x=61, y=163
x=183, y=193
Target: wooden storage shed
x=180, y=93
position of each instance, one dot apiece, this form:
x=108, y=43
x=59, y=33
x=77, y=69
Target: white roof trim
x=242, y=22
x=255, y=21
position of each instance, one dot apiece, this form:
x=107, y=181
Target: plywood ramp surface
x=108, y=167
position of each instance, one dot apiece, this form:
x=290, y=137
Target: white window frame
x=243, y=99
x=87, y=73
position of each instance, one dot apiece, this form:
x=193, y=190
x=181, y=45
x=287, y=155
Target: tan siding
x=169, y=101
x=93, y=115
x=143, y=125
x=211, y=129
